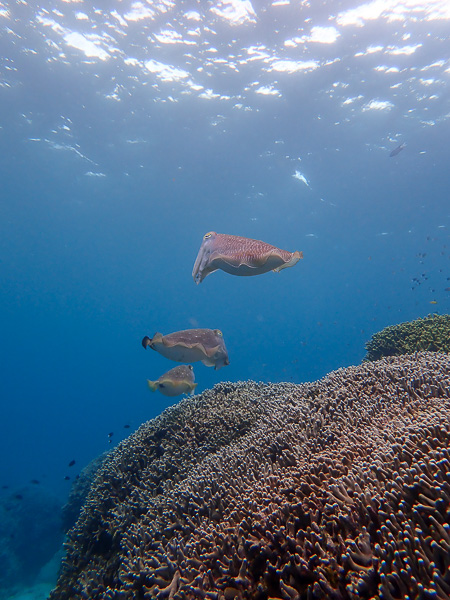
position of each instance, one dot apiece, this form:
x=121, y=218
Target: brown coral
x=335, y=489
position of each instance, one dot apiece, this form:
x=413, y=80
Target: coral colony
x=336, y=489
x=430, y=333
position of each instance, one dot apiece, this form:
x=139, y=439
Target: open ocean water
x=130, y=129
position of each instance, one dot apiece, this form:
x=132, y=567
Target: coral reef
x=432, y=333
x=79, y=492
x=337, y=489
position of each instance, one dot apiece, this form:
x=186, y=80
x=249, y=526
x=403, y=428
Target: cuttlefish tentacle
x=240, y=256
x=204, y=256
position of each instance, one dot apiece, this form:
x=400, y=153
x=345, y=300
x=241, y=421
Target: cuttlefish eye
x=208, y=235
x=218, y=332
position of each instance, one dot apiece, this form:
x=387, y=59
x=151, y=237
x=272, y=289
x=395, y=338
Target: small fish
x=111, y=434
x=126, y=427
x=35, y=481
x=66, y=478
x=179, y=380
x=239, y=256
x=433, y=301
x=397, y=150
x=72, y=462
x=18, y=497
x=191, y=345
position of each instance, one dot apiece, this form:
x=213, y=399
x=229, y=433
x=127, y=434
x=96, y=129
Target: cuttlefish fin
x=238, y=261
x=209, y=353
x=256, y=262
x=290, y=263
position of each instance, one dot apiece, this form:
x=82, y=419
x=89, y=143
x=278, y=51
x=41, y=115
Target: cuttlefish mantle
x=240, y=256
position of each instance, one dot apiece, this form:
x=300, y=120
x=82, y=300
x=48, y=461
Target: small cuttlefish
x=179, y=380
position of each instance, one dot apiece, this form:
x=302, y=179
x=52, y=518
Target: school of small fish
x=235, y=255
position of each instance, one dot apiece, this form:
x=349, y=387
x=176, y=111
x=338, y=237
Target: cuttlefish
x=179, y=380
x=239, y=256
x=191, y=345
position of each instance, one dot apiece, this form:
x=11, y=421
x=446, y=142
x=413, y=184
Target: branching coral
x=338, y=489
x=432, y=333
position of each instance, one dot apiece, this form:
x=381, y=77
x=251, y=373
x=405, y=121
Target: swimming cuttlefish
x=239, y=256
x=179, y=380
x=191, y=345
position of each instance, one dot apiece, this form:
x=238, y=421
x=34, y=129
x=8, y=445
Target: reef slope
x=334, y=489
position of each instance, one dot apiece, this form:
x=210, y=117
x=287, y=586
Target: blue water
x=111, y=174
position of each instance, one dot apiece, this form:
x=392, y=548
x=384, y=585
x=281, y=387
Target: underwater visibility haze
x=129, y=130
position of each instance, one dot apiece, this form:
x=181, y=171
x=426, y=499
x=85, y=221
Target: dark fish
x=35, y=481
x=5, y=487
x=111, y=434
x=66, y=478
x=126, y=427
x=397, y=150
x=18, y=497
x=72, y=462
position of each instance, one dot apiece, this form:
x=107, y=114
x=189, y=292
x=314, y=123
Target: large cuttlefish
x=191, y=345
x=239, y=256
